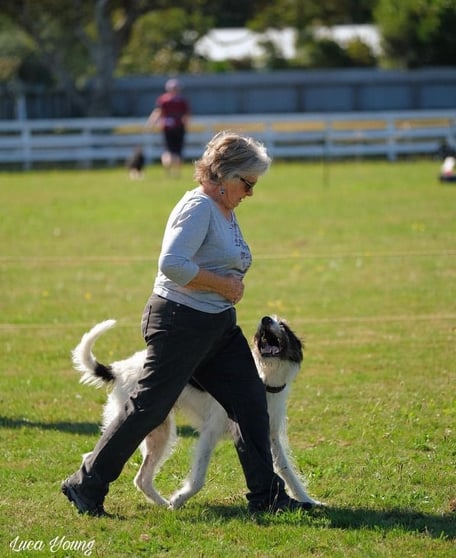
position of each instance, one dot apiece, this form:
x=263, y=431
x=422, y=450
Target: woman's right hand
x=235, y=289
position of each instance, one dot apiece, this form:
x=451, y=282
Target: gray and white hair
x=229, y=155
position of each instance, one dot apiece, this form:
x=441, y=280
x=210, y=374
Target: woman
x=189, y=324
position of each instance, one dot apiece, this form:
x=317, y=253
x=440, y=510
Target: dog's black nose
x=266, y=321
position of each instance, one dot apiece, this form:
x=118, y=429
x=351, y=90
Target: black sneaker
x=82, y=504
x=279, y=506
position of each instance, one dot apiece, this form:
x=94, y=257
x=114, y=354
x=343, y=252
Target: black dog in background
x=135, y=164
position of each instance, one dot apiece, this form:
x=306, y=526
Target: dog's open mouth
x=268, y=347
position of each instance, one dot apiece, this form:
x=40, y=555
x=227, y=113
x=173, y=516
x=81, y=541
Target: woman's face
x=236, y=189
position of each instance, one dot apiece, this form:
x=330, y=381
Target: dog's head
x=275, y=339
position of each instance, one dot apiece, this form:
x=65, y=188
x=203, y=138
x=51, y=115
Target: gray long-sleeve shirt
x=198, y=235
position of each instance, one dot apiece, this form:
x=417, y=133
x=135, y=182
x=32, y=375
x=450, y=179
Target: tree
x=418, y=33
x=14, y=48
x=302, y=14
x=307, y=15
x=162, y=42
x=85, y=44
x=81, y=41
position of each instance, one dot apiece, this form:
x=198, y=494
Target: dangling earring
x=222, y=191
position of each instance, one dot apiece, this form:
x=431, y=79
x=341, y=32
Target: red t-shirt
x=173, y=109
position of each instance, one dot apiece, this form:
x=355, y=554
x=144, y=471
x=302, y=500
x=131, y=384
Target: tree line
x=84, y=45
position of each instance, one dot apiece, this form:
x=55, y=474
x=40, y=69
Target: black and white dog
x=278, y=355
x=136, y=164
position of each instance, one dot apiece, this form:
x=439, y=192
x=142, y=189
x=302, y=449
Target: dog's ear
x=295, y=344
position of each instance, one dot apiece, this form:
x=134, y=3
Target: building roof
x=241, y=42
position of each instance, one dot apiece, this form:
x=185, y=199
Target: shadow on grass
x=433, y=525
x=60, y=426
x=73, y=427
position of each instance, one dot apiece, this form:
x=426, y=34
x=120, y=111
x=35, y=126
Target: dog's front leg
x=285, y=468
x=283, y=464
x=214, y=426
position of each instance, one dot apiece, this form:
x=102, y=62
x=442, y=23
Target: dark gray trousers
x=181, y=343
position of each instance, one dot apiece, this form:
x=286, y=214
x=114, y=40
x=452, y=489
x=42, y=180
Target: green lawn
x=359, y=257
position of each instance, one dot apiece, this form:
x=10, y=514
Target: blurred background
x=73, y=59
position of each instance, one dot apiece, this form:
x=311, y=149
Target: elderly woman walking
x=190, y=328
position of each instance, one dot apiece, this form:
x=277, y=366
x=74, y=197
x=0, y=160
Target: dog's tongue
x=269, y=349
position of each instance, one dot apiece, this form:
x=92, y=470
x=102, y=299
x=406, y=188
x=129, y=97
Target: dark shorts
x=174, y=139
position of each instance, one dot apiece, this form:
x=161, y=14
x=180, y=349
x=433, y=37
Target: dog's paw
x=176, y=502
x=317, y=504
x=311, y=501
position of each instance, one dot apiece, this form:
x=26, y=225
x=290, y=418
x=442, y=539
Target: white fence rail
x=88, y=141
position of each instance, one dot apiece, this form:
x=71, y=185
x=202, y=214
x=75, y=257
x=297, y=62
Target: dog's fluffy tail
x=93, y=372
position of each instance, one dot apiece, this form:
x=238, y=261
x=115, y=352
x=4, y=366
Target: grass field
x=360, y=257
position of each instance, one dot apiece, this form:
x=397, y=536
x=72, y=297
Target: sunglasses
x=248, y=185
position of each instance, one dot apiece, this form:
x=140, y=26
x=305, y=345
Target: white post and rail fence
x=88, y=142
